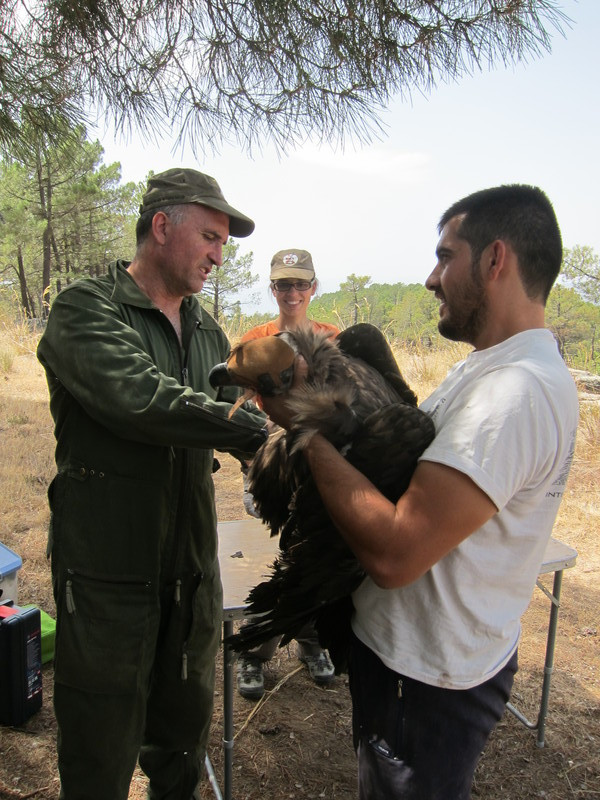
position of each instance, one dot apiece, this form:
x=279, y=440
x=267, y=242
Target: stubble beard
x=467, y=312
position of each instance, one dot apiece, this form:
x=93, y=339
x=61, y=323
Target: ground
x=297, y=743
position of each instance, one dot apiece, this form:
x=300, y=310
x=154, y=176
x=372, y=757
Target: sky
x=373, y=209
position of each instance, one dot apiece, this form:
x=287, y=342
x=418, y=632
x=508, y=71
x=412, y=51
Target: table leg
x=228, y=660
x=540, y=724
x=212, y=778
x=549, y=663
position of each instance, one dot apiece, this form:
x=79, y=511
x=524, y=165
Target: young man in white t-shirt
x=451, y=566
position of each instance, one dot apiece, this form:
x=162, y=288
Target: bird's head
x=261, y=366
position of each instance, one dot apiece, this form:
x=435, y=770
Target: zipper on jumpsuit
x=183, y=350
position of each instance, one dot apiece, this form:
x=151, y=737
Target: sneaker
x=250, y=680
x=320, y=667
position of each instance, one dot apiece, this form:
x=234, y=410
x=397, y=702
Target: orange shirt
x=270, y=329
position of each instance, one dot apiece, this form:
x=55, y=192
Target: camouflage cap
x=292, y=263
x=179, y=186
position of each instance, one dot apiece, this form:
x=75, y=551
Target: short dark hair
x=520, y=215
x=144, y=223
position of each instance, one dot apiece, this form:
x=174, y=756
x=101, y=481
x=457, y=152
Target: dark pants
x=415, y=741
x=134, y=674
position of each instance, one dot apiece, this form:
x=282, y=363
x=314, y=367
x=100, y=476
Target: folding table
x=557, y=558
x=245, y=553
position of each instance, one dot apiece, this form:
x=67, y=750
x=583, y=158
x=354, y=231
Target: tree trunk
x=45, y=206
x=216, y=302
x=25, y=296
x=46, y=261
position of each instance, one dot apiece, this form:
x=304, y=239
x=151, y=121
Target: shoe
x=250, y=680
x=320, y=667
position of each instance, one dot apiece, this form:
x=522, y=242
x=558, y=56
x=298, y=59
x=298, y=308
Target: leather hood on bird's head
x=265, y=365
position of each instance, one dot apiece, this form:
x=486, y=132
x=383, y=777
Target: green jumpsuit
x=133, y=534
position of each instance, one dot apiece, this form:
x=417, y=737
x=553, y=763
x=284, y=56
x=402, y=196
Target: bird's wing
x=273, y=477
x=388, y=445
x=368, y=343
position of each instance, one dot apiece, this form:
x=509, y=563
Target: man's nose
x=216, y=254
x=433, y=280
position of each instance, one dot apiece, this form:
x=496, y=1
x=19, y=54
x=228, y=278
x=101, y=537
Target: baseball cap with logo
x=292, y=263
x=179, y=186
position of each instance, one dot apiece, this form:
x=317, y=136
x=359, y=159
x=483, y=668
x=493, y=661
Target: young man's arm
x=395, y=543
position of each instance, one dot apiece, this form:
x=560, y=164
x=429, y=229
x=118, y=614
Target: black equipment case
x=20, y=663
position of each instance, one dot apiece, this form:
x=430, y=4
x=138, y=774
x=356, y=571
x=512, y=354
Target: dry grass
x=424, y=368
x=17, y=337
x=588, y=433
x=298, y=744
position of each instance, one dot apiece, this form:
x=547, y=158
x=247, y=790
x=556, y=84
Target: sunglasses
x=287, y=286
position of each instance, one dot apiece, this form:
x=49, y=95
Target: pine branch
x=249, y=72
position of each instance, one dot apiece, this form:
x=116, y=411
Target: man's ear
x=495, y=258
x=160, y=222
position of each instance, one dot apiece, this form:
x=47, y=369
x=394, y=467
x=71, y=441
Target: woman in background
x=293, y=284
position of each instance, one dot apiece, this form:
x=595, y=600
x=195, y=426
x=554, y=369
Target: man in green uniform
x=133, y=533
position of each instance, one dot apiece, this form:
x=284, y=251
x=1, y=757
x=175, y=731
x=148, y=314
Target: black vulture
x=355, y=396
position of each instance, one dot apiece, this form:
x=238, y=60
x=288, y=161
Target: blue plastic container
x=10, y=563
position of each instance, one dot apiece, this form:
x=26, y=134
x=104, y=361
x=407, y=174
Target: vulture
x=355, y=396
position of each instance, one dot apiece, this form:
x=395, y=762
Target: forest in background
x=65, y=215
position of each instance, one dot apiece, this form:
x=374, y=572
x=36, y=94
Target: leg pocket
x=204, y=634
x=106, y=633
x=380, y=775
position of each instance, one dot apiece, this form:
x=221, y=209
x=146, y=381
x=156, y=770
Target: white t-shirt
x=506, y=417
